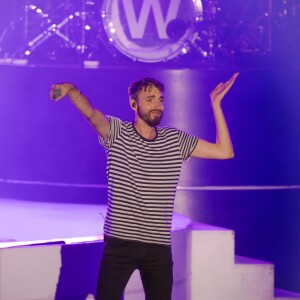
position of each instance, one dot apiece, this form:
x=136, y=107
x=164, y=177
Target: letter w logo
x=137, y=25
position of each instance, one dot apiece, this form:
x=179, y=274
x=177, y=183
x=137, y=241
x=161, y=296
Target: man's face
x=150, y=105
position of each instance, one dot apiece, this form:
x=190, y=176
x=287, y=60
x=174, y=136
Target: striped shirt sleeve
x=187, y=144
x=114, y=132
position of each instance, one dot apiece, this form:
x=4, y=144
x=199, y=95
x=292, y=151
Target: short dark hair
x=144, y=83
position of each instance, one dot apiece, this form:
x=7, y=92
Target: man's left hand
x=221, y=89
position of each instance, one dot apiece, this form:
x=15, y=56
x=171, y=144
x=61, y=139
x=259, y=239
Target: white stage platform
x=52, y=251
x=25, y=222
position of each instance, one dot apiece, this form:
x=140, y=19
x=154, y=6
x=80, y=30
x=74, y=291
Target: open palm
x=221, y=89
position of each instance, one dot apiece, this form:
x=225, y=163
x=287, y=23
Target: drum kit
x=70, y=29
x=86, y=30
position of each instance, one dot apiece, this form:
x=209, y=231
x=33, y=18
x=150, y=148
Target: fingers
x=219, y=85
x=236, y=74
x=222, y=88
x=218, y=88
x=222, y=85
x=53, y=96
x=233, y=78
x=51, y=91
x=230, y=82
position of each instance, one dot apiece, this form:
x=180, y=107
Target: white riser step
x=218, y=275
x=205, y=267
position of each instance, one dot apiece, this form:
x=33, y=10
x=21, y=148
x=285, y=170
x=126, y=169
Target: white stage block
x=205, y=265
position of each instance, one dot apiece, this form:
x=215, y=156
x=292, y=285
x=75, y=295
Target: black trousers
x=121, y=257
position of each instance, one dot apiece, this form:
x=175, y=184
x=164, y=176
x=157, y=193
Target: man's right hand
x=64, y=90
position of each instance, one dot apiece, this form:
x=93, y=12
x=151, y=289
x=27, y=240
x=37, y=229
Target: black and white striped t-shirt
x=142, y=178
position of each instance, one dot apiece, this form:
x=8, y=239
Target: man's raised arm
x=93, y=115
x=222, y=148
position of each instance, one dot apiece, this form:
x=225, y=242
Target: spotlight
x=185, y=49
x=204, y=53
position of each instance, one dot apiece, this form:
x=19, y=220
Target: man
x=143, y=168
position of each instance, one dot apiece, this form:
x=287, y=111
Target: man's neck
x=144, y=129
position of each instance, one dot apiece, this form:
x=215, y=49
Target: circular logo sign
x=150, y=30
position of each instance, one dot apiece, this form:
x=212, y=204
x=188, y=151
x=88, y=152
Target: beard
x=151, y=121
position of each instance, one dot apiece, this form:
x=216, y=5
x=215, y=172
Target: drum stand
x=50, y=26
x=204, y=40
x=53, y=29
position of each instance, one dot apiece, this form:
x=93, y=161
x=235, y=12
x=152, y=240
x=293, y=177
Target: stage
x=46, y=247
x=52, y=251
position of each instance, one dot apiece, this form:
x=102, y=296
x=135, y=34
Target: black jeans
x=121, y=257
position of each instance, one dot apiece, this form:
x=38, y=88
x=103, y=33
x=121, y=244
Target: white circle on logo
x=150, y=30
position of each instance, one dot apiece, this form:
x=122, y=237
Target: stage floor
x=27, y=223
